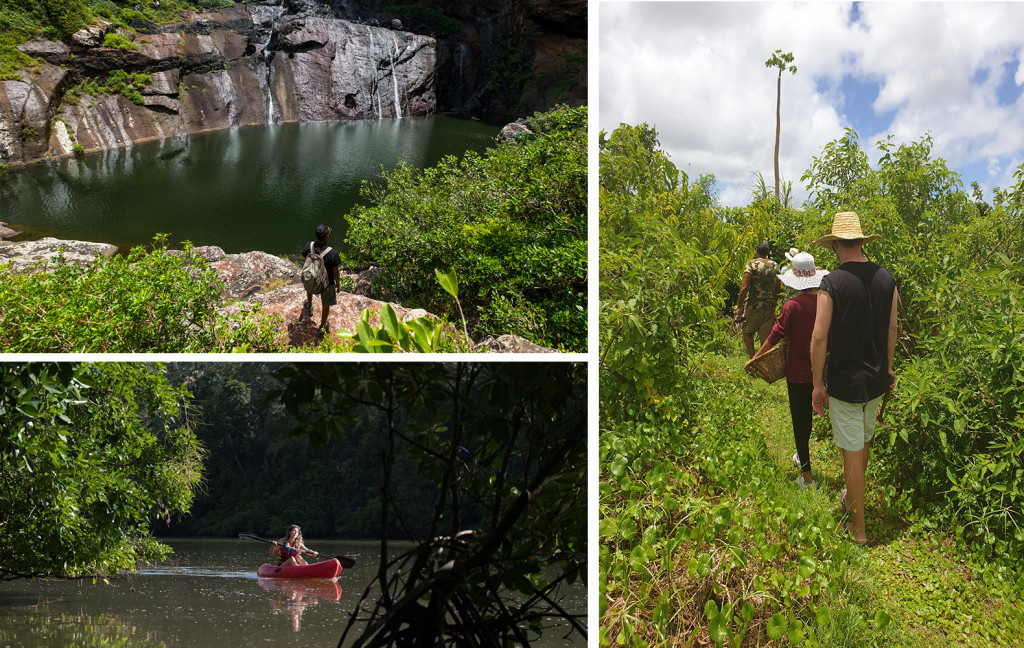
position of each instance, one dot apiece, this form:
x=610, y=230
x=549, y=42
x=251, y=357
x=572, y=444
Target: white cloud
x=695, y=71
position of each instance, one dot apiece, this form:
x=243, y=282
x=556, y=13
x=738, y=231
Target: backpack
x=314, y=272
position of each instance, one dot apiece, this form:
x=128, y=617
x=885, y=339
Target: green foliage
x=119, y=82
x=665, y=258
x=512, y=223
x=91, y=454
x=429, y=16
x=117, y=41
x=505, y=446
x=418, y=335
x=143, y=302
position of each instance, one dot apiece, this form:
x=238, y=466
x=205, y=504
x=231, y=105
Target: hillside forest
x=705, y=539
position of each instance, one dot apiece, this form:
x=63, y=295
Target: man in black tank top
x=855, y=326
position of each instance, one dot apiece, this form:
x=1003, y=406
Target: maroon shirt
x=797, y=323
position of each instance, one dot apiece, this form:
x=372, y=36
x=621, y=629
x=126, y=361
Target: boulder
x=28, y=255
x=511, y=131
x=6, y=232
x=286, y=302
x=510, y=344
x=246, y=274
x=54, y=52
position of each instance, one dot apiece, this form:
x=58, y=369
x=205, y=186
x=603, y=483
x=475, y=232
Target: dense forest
x=705, y=540
x=260, y=477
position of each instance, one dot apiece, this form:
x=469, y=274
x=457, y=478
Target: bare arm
x=337, y=279
x=819, y=346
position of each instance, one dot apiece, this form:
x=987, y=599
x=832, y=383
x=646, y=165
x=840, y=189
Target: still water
x=205, y=594
x=244, y=189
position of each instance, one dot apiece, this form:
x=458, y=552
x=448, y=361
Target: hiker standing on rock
x=321, y=275
x=855, y=325
x=755, y=306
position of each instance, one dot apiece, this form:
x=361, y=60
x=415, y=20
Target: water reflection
x=243, y=189
x=206, y=594
x=294, y=596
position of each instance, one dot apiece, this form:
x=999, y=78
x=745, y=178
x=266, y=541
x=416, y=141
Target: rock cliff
x=272, y=61
x=243, y=65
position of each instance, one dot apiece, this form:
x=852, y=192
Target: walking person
x=855, y=326
x=755, y=306
x=796, y=322
x=321, y=275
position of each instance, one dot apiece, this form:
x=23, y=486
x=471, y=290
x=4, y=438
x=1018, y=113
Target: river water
x=205, y=594
x=244, y=189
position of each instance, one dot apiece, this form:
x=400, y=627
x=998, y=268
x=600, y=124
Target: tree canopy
x=89, y=456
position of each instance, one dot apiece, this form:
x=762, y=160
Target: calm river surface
x=244, y=189
x=205, y=594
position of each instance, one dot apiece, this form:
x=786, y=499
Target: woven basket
x=772, y=365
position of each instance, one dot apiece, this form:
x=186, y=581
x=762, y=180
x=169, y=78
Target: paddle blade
x=251, y=536
x=346, y=562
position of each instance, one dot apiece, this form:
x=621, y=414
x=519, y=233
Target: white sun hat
x=802, y=273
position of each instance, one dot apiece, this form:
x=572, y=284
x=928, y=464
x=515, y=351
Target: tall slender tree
x=783, y=61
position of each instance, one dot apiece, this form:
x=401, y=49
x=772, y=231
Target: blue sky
x=695, y=71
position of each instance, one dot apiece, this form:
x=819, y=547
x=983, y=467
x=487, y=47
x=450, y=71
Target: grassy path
x=912, y=568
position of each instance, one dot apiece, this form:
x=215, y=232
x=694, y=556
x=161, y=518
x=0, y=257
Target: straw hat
x=846, y=227
x=802, y=274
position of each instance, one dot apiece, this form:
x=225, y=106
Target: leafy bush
x=431, y=17
x=155, y=301
x=117, y=41
x=512, y=223
x=665, y=258
x=119, y=82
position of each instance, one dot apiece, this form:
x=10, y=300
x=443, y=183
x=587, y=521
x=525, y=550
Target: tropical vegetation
x=90, y=456
x=511, y=223
x=704, y=539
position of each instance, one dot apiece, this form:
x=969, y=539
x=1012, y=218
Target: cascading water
x=394, y=79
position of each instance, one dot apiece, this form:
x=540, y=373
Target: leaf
x=778, y=625
x=882, y=619
x=449, y=281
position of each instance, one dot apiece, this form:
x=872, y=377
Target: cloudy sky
x=695, y=71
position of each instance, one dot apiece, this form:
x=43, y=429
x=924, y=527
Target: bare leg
x=854, y=466
x=748, y=339
x=324, y=311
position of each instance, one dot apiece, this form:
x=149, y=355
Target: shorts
x=329, y=297
x=760, y=320
x=853, y=424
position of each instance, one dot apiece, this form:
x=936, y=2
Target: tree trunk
x=778, y=131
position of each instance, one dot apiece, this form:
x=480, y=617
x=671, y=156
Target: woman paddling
x=289, y=548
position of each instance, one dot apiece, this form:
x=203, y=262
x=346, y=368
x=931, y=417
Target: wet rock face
x=243, y=65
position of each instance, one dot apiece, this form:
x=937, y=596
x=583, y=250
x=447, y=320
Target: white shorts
x=853, y=424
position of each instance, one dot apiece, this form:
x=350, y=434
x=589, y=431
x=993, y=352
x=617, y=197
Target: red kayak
x=325, y=569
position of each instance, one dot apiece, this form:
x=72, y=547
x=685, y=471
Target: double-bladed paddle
x=346, y=562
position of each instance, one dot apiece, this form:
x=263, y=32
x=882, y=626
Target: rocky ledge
x=251, y=279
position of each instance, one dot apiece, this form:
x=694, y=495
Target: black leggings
x=800, y=410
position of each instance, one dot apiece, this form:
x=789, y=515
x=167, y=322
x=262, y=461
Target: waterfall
x=272, y=116
x=373, y=72
x=394, y=79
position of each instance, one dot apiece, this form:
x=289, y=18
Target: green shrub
x=147, y=301
x=512, y=223
x=128, y=85
x=117, y=41
x=431, y=17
